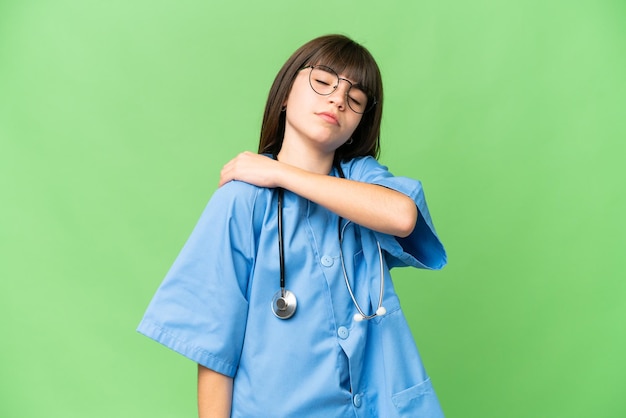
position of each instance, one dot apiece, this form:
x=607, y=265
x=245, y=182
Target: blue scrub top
x=214, y=305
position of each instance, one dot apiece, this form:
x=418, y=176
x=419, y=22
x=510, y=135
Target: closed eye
x=322, y=82
x=356, y=101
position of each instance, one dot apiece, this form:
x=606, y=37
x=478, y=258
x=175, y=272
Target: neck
x=306, y=159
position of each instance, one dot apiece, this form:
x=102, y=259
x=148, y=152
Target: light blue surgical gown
x=214, y=305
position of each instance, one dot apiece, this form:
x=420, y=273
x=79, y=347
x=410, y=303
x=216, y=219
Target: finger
x=226, y=175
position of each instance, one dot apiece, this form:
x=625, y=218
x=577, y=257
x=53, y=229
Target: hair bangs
x=352, y=61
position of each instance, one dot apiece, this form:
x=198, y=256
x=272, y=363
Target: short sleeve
x=200, y=309
x=422, y=248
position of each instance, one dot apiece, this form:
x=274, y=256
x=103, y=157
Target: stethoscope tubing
x=281, y=250
x=284, y=302
x=349, y=287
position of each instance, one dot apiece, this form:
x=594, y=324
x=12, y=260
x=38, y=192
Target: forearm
x=214, y=394
x=373, y=206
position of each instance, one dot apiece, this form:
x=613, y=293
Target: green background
x=116, y=117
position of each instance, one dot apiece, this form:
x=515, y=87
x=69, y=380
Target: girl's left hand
x=252, y=168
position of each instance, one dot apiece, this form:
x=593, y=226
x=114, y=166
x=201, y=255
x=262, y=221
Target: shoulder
x=237, y=193
x=237, y=200
x=234, y=216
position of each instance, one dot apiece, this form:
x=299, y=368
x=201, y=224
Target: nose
x=340, y=95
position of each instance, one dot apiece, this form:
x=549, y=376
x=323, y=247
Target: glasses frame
x=371, y=100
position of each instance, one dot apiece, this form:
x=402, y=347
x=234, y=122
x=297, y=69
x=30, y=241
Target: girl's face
x=324, y=121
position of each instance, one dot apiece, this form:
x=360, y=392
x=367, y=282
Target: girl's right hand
x=252, y=168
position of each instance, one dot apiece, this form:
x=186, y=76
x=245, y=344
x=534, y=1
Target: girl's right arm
x=215, y=392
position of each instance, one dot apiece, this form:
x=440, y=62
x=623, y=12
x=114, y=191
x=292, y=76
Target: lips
x=329, y=117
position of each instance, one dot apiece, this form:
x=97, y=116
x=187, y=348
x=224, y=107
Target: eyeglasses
x=324, y=81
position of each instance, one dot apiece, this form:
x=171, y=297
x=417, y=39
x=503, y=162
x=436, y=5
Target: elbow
x=407, y=219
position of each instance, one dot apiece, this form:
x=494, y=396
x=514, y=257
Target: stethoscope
x=284, y=302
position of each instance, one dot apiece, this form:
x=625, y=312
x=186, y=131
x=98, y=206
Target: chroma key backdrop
x=117, y=116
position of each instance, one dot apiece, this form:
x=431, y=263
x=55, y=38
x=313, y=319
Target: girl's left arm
x=214, y=394
x=372, y=206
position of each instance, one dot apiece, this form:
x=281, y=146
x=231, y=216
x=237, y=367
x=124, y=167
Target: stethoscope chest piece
x=284, y=304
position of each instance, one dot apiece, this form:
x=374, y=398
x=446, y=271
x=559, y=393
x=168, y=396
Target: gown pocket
x=418, y=401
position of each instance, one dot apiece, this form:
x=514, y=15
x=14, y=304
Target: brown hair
x=346, y=57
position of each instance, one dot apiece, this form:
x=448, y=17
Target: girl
x=282, y=293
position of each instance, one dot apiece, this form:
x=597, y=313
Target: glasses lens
x=323, y=80
x=358, y=100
